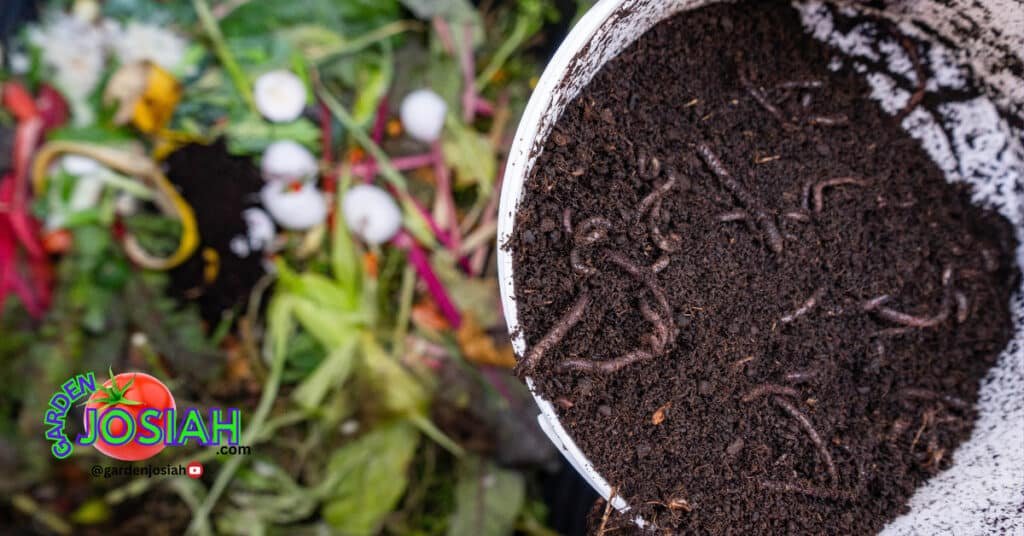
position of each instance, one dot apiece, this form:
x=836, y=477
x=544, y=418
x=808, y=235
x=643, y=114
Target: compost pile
x=754, y=300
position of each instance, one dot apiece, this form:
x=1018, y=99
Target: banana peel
x=168, y=200
x=145, y=95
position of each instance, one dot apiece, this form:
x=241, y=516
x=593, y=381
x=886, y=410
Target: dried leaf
x=478, y=347
x=659, y=415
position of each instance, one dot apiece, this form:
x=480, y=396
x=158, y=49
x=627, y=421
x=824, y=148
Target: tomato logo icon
x=126, y=396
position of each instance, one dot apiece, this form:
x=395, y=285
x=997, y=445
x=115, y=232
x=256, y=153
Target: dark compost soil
x=811, y=351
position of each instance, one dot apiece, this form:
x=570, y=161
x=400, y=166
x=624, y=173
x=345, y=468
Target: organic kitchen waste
x=284, y=208
x=753, y=299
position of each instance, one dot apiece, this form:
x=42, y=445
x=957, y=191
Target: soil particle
x=794, y=408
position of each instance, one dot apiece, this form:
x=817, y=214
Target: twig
x=819, y=189
x=808, y=428
x=925, y=394
x=836, y=120
x=761, y=99
x=736, y=215
x=801, y=84
x=769, y=389
x=742, y=195
x=607, y=511
x=809, y=304
x=562, y=326
x=800, y=376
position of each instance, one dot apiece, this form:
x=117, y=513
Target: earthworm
x=645, y=276
x=648, y=201
x=805, y=424
x=649, y=172
x=829, y=120
x=661, y=330
x=562, y=326
x=607, y=366
x=741, y=194
x=579, y=265
x=660, y=264
x=807, y=489
x=769, y=389
x=736, y=215
x=797, y=216
x=762, y=100
x=592, y=230
x=819, y=189
x=801, y=84
x=567, y=220
x=918, y=95
x=668, y=243
x=874, y=303
x=962, y=307
x=912, y=321
x=925, y=394
x=800, y=376
x=809, y=304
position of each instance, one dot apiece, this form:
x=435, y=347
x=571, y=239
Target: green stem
x=200, y=521
x=433, y=432
x=504, y=52
x=386, y=31
x=405, y=296
x=212, y=30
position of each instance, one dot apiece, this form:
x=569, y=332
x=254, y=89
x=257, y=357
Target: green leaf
x=251, y=134
x=476, y=295
x=372, y=474
x=349, y=17
x=333, y=371
x=397, y=389
x=344, y=256
x=471, y=154
x=487, y=499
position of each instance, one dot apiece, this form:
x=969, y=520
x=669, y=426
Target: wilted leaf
x=476, y=295
x=371, y=474
x=398, y=390
x=478, y=346
x=471, y=155
x=487, y=499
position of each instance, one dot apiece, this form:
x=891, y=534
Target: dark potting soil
x=778, y=327
x=219, y=186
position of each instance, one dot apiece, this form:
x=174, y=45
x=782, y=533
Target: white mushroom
x=280, y=96
x=294, y=206
x=371, y=213
x=287, y=161
x=422, y=113
x=79, y=166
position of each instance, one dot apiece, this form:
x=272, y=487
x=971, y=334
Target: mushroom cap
x=260, y=228
x=371, y=213
x=422, y=113
x=288, y=161
x=294, y=209
x=79, y=165
x=280, y=96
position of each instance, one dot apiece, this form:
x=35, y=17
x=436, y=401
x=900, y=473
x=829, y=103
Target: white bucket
x=983, y=490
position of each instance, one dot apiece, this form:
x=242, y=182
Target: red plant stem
x=444, y=33
x=479, y=257
x=420, y=262
x=483, y=107
x=468, y=71
x=327, y=148
x=380, y=121
x=368, y=168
